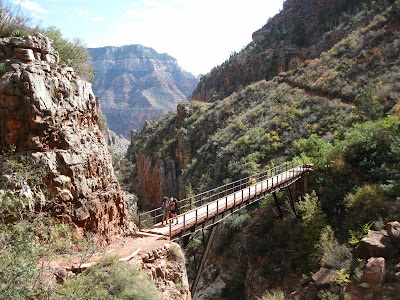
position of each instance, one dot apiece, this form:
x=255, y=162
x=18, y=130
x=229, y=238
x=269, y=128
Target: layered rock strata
x=48, y=112
x=135, y=84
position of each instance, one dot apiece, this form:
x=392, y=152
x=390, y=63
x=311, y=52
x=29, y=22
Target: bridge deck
x=211, y=213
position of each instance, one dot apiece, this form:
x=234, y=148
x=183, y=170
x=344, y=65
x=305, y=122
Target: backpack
x=176, y=204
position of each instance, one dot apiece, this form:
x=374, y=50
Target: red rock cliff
x=48, y=112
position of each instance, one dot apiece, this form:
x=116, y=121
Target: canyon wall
x=135, y=83
x=48, y=112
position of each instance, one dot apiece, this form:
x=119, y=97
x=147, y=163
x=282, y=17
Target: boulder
x=393, y=230
x=375, y=244
x=324, y=277
x=375, y=271
x=24, y=54
x=311, y=291
x=397, y=267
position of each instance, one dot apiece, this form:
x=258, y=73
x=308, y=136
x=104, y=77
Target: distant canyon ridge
x=135, y=83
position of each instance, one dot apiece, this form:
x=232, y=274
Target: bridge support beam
x=203, y=258
x=291, y=201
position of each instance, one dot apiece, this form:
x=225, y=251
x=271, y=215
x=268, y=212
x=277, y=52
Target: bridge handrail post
x=207, y=211
x=184, y=222
x=217, y=207
x=234, y=200
x=226, y=203
x=262, y=189
x=140, y=222
x=155, y=217
x=170, y=229
x=196, y=218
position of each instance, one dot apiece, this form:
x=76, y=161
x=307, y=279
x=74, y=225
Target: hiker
x=165, y=210
x=174, y=208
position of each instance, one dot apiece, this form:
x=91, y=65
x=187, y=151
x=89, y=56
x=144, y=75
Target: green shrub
x=21, y=186
x=357, y=235
x=313, y=150
x=11, y=20
x=368, y=104
x=72, y=53
x=3, y=69
x=365, y=204
x=19, y=257
x=333, y=254
x=230, y=226
x=277, y=295
x=342, y=278
x=234, y=287
x=313, y=218
x=102, y=121
x=19, y=33
x=329, y=296
x=108, y=280
x=294, y=63
x=175, y=252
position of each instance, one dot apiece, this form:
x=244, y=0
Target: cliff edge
x=48, y=112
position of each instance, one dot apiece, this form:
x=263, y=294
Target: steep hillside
x=302, y=30
x=339, y=109
x=135, y=83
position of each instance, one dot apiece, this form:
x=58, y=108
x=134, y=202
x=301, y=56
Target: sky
x=200, y=34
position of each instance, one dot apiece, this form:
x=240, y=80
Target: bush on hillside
x=277, y=295
x=294, y=63
x=313, y=221
x=19, y=258
x=21, y=186
x=72, y=53
x=333, y=254
x=369, y=149
x=12, y=21
x=108, y=280
x=368, y=104
x=231, y=225
x=365, y=204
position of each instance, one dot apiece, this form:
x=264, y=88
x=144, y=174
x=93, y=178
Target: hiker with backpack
x=174, y=208
x=165, y=205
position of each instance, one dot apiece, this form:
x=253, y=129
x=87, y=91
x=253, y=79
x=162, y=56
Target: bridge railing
x=154, y=216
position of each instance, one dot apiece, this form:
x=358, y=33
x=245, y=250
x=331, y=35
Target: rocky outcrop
x=375, y=244
x=117, y=143
x=157, y=178
x=324, y=277
x=375, y=271
x=48, y=112
x=135, y=83
x=166, y=266
x=393, y=230
x=157, y=175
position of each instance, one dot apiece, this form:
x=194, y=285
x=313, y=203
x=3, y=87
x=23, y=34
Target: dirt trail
x=315, y=92
x=120, y=246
